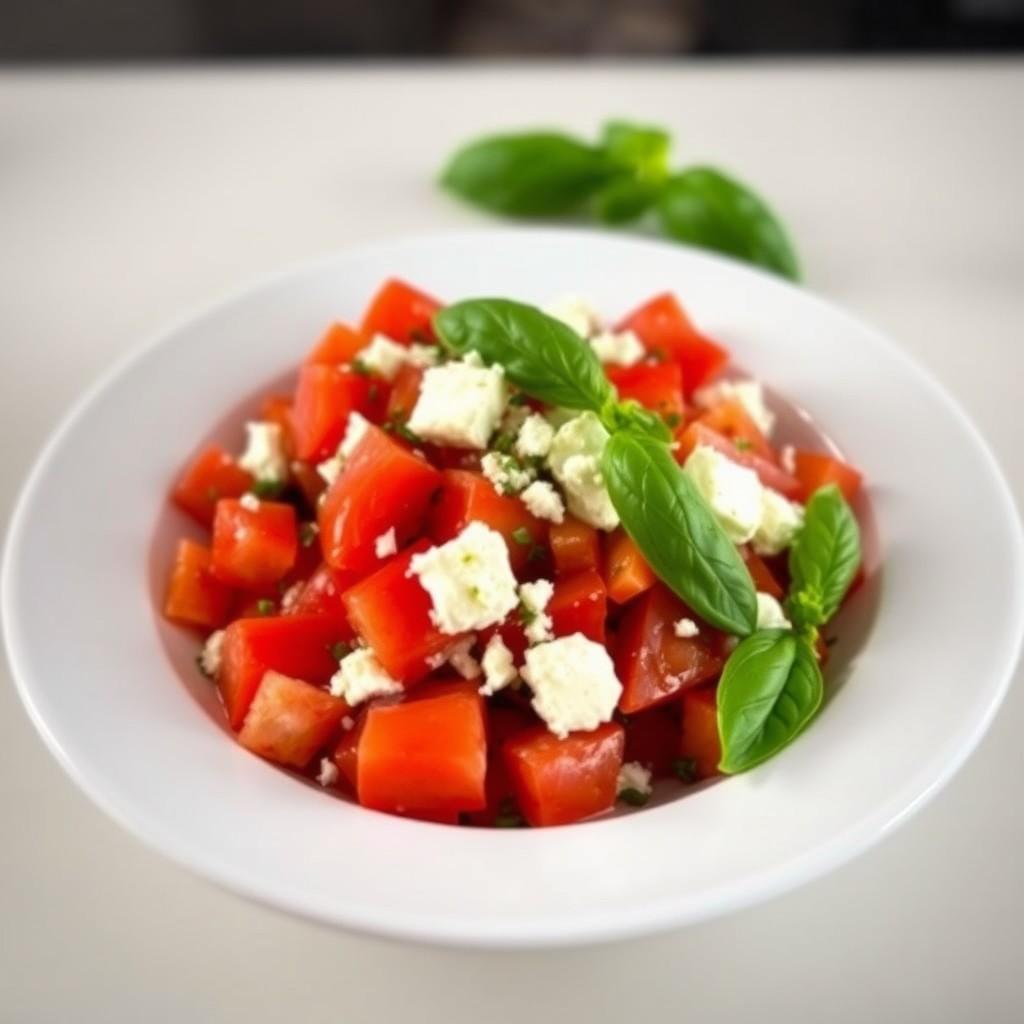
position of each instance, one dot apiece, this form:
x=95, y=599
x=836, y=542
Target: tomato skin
x=424, y=757
x=656, y=386
x=253, y=548
x=212, y=475
x=579, y=605
x=665, y=329
x=699, y=740
x=278, y=409
x=401, y=312
x=338, y=344
x=558, y=781
x=654, y=664
x=289, y=720
x=324, y=399
x=297, y=645
x=626, y=571
x=467, y=497
x=195, y=597
x=346, y=755
x=511, y=632
x=732, y=421
x=815, y=469
x=383, y=487
x=502, y=723
x=652, y=738
x=391, y=612
x=762, y=576
x=698, y=433
x=321, y=595
x=575, y=546
x=405, y=392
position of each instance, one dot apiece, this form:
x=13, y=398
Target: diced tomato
x=579, y=605
x=470, y=497
x=626, y=571
x=502, y=723
x=760, y=573
x=253, y=547
x=400, y=312
x=731, y=420
x=294, y=645
x=211, y=476
x=391, y=612
x=511, y=632
x=656, y=386
x=698, y=433
x=346, y=755
x=558, y=781
x=384, y=486
x=575, y=546
x=652, y=738
x=278, y=409
x=666, y=330
x=653, y=663
x=699, y=741
x=195, y=597
x=289, y=720
x=321, y=595
x=453, y=458
x=815, y=469
x=424, y=757
x=324, y=399
x=309, y=481
x=405, y=392
x=339, y=344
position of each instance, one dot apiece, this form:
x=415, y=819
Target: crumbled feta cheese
x=435, y=661
x=505, y=472
x=633, y=775
x=534, y=598
x=618, y=349
x=780, y=521
x=514, y=417
x=575, y=461
x=264, y=452
x=328, y=774
x=423, y=356
x=573, y=682
x=462, y=661
x=209, y=656
x=330, y=469
x=291, y=595
x=383, y=356
x=459, y=404
x=469, y=580
x=473, y=358
x=685, y=629
x=733, y=491
x=574, y=313
x=534, y=437
x=543, y=501
x=386, y=544
x=361, y=676
x=499, y=668
x=787, y=458
x=249, y=502
x=770, y=614
x=748, y=393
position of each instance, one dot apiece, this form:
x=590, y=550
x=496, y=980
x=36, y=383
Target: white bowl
x=114, y=693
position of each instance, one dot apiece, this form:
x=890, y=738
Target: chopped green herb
x=396, y=425
x=340, y=650
x=536, y=554
x=742, y=444
x=672, y=420
x=519, y=398
x=503, y=443
x=508, y=816
x=267, y=488
x=521, y=535
x=685, y=768
x=265, y=606
x=307, y=534
x=634, y=797
x=526, y=613
x=358, y=366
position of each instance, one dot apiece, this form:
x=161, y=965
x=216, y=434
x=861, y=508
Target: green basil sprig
x=665, y=514
x=770, y=689
x=622, y=177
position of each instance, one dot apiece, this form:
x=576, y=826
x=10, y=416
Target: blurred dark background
x=90, y=30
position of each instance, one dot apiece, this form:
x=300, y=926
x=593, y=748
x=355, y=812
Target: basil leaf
x=631, y=415
x=537, y=174
x=705, y=207
x=625, y=199
x=823, y=559
x=677, y=533
x=642, y=148
x=770, y=689
x=540, y=354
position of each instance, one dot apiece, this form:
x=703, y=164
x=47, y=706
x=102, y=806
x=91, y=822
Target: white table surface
x=127, y=197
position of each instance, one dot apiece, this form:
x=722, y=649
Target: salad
x=495, y=565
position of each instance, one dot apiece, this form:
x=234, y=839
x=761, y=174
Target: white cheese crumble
x=573, y=682
x=633, y=775
x=618, y=349
x=780, y=521
x=498, y=666
x=748, y=393
x=575, y=461
x=459, y=404
x=462, y=661
x=249, y=502
x=328, y=774
x=348, y=723
x=505, y=472
x=574, y=312
x=534, y=598
x=264, y=455
x=330, y=469
x=534, y=437
x=361, y=676
x=770, y=614
x=386, y=544
x=209, y=656
x=291, y=595
x=383, y=356
x=423, y=356
x=543, y=501
x=685, y=629
x=469, y=580
x=733, y=492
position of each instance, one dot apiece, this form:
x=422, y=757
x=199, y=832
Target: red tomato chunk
x=195, y=597
x=213, y=475
x=400, y=312
x=699, y=741
x=253, y=547
x=324, y=400
x=579, y=605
